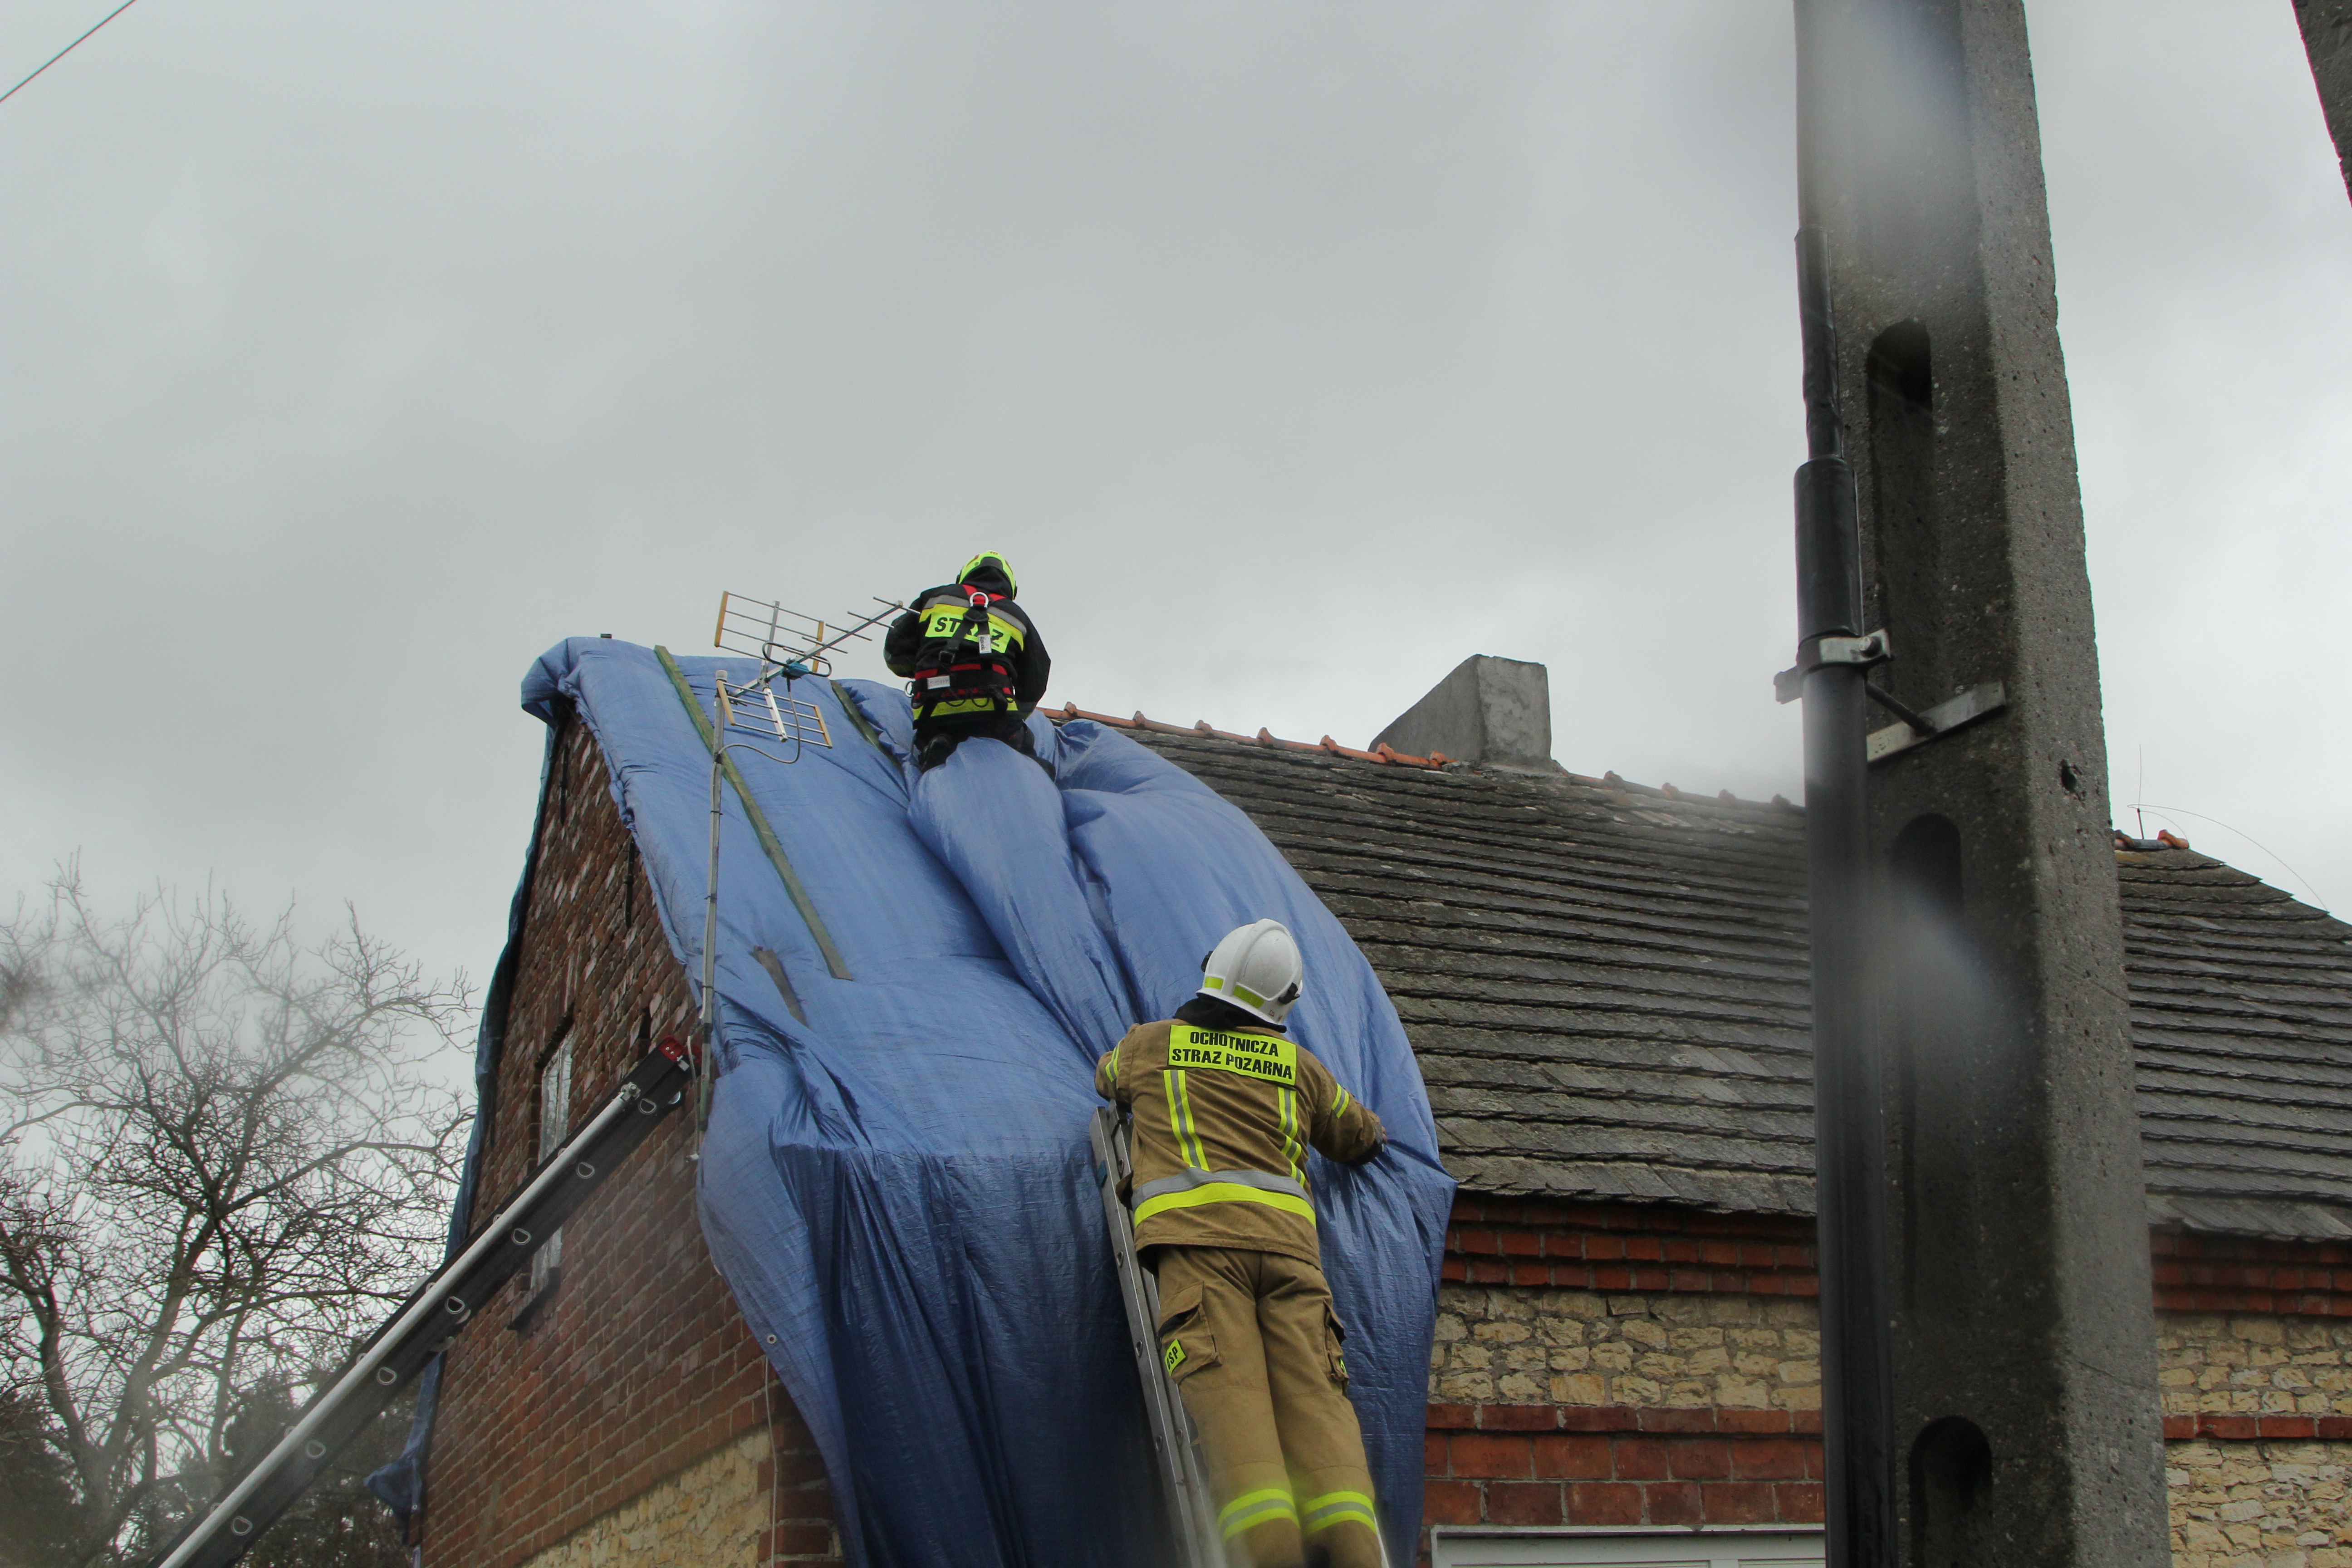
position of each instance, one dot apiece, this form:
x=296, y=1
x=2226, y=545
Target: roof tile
x=1606, y=985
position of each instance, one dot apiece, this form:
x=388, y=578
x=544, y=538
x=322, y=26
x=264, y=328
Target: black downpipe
x=1849, y=1149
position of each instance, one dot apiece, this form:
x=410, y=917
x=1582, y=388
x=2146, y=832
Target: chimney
x=1495, y=712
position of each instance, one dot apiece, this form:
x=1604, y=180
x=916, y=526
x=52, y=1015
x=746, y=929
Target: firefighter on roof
x=1225, y=1106
x=974, y=663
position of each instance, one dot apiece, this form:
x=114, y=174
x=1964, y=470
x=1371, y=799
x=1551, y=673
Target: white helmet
x=1256, y=969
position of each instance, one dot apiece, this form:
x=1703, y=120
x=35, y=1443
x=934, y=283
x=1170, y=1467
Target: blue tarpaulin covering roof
x=897, y=1179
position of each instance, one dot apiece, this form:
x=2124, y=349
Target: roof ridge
x=1383, y=753
x=1389, y=755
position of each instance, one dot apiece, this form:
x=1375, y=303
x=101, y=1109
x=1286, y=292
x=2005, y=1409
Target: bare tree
x=37, y=1511
x=221, y=1156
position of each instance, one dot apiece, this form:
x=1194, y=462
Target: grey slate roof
x=1606, y=988
x=2242, y=1014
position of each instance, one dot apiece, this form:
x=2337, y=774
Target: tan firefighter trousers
x=1252, y=1343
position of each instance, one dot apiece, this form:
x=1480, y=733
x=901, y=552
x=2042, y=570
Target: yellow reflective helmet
x=1012, y=584
x=1256, y=968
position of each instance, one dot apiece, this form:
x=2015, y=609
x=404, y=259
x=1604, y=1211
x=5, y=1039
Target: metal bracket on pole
x=1876, y=648
x=1971, y=704
x=1870, y=648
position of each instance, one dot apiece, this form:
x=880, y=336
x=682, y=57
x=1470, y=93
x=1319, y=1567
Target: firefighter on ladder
x=973, y=661
x=1224, y=1107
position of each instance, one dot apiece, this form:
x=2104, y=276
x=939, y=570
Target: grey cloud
x=349, y=357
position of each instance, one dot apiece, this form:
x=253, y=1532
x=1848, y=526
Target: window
x=1451, y=1546
x=554, y=1122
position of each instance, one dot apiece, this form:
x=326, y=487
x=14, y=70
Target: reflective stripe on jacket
x=1223, y=1120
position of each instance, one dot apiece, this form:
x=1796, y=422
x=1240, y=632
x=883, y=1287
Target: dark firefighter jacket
x=1022, y=650
x=1226, y=1107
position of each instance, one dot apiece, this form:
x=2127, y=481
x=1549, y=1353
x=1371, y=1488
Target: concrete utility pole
x=2328, y=39
x=2023, y=1422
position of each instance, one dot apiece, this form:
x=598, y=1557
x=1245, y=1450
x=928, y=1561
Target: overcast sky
x=350, y=355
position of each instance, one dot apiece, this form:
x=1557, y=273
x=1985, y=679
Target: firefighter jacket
x=1224, y=1117
x=936, y=647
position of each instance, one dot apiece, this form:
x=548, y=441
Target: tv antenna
x=789, y=641
x=787, y=644
x=752, y=713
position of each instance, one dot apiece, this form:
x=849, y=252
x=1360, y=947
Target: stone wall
x=2256, y=1364
x=2260, y=1505
x=1500, y=1344
x=710, y=1515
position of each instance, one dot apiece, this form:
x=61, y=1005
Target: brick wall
x=634, y=1366
x=1628, y=1247
x=1529, y=1465
x=2247, y=1274
x=1619, y=1364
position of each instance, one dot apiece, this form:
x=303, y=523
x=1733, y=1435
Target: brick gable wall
x=635, y=1365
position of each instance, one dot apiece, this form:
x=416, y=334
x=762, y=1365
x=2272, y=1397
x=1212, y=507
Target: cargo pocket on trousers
x=1185, y=1346
x=1335, y=1353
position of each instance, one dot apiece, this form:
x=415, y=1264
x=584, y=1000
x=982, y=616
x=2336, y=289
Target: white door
x=1459, y=1547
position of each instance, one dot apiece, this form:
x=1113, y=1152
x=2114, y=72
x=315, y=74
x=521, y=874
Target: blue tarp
x=897, y=1182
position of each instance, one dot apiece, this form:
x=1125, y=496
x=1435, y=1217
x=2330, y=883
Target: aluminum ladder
x=1176, y=1447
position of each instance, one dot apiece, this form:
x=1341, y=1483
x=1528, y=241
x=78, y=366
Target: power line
x=69, y=49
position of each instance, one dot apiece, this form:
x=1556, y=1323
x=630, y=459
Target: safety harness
x=965, y=663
